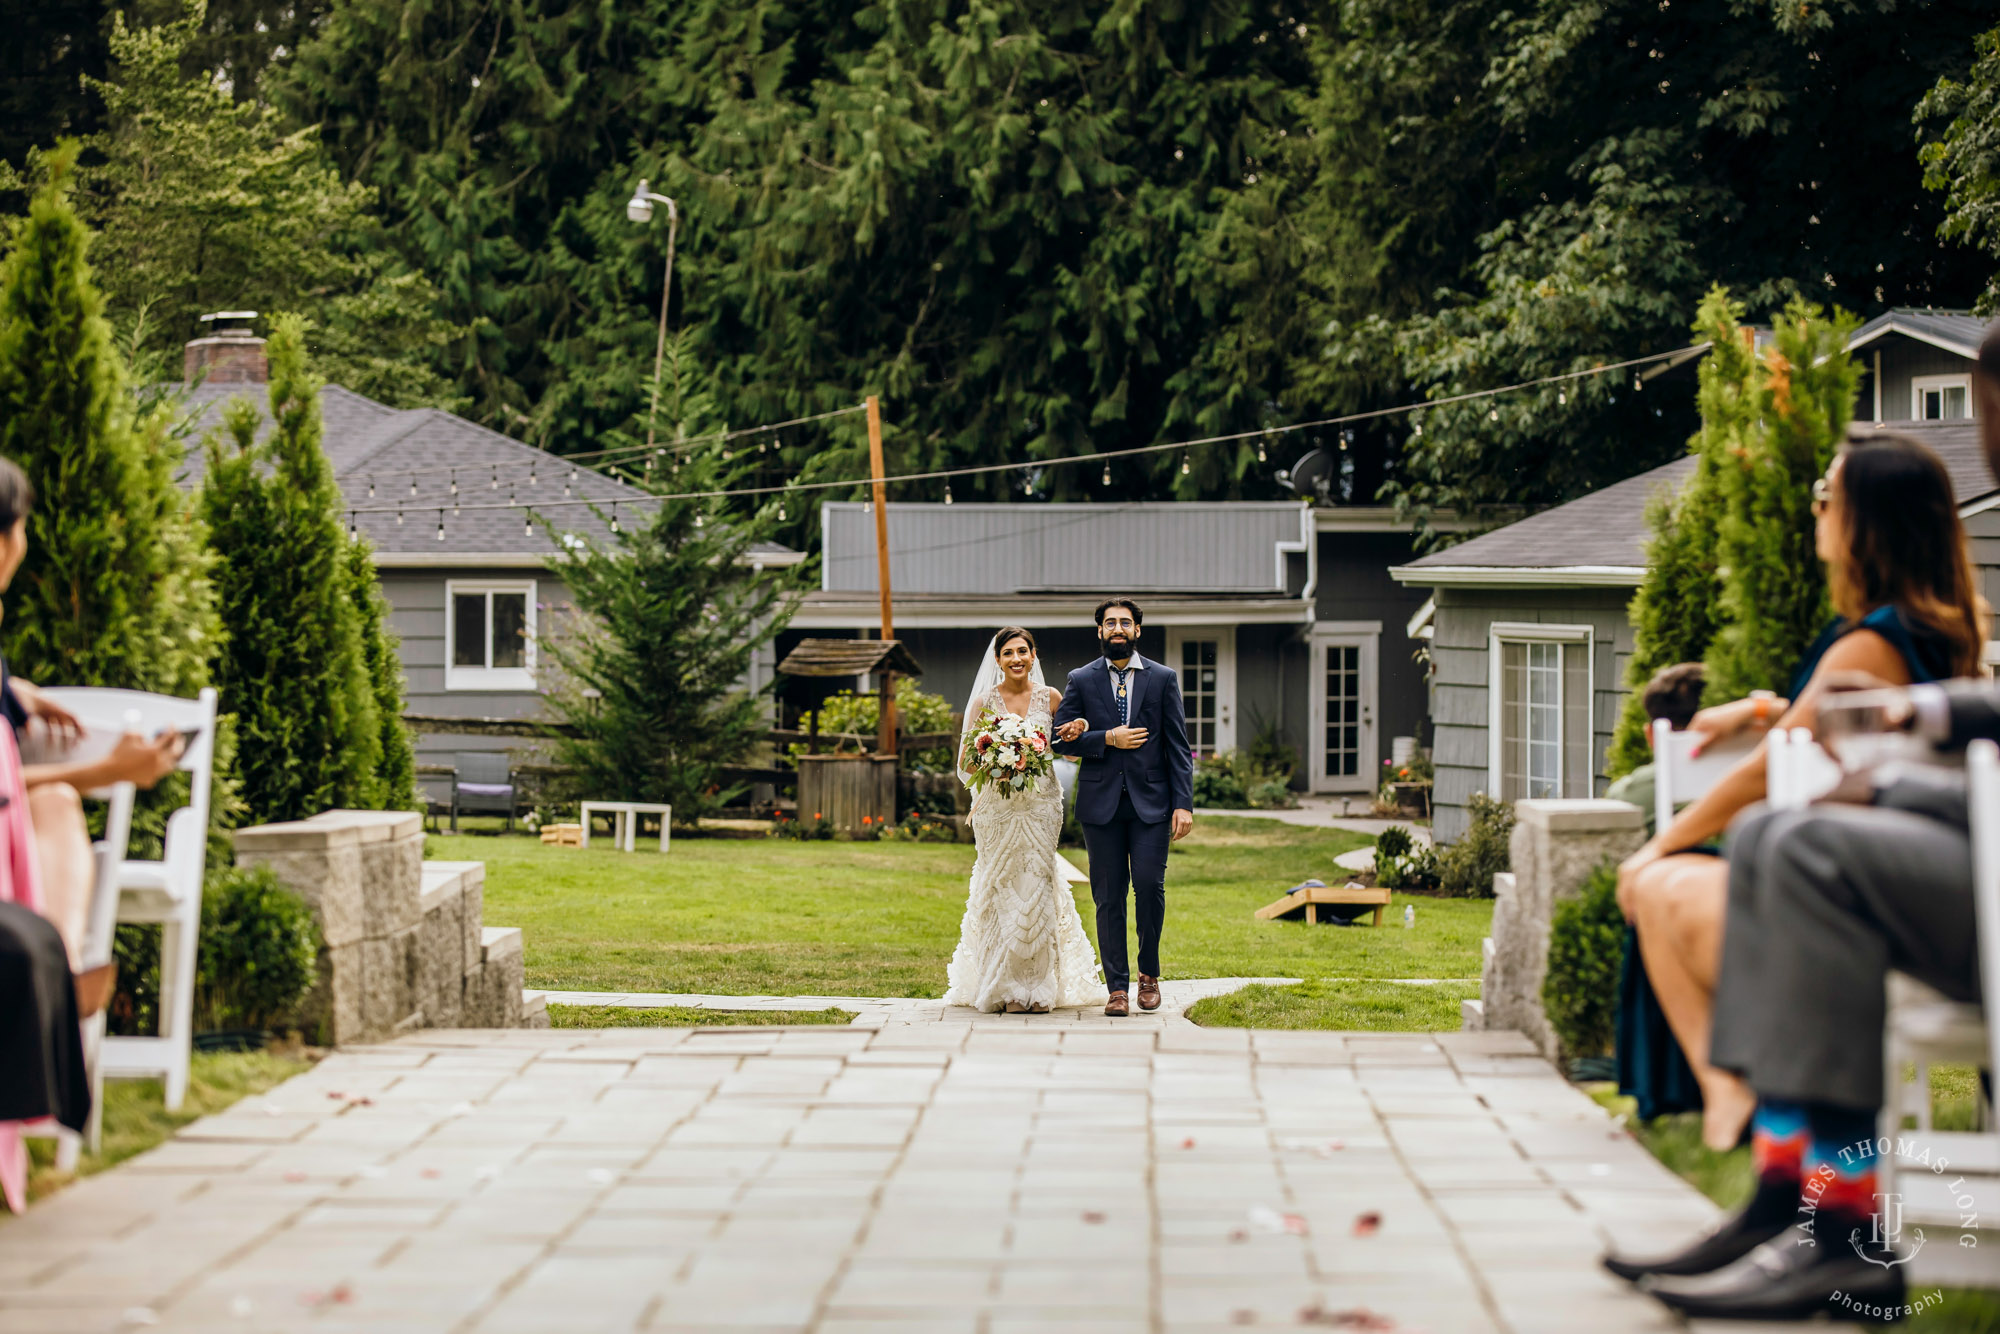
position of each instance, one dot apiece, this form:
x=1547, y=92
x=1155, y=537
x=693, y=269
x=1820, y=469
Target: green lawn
x=774, y=917
x=1382, y=1006
x=682, y=1016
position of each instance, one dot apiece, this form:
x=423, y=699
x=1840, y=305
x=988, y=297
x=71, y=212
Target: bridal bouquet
x=1007, y=752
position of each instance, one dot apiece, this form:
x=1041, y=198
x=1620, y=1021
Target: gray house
x=1527, y=624
x=1280, y=618
x=472, y=591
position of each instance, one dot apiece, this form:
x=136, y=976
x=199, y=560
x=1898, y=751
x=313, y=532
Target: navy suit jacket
x=1159, y=774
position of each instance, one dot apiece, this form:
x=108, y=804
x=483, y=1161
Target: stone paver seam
x=514, y=1280
x=1464, y=1253
x=1155, y=1297
x=860, y=1238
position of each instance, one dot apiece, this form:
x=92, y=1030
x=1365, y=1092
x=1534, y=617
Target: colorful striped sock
x=1839, y=1189
x=1779, y=1134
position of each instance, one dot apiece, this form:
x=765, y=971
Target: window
x=1936, y=398
x=1198, y=693
x=489, y=636
x=1541, y=712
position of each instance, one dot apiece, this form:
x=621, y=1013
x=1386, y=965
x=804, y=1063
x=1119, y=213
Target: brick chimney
x=230, y=354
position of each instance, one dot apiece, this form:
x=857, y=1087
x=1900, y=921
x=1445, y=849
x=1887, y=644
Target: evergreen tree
x=395, y=787
x=206, y=203
x=115, y=590
x=669, y=616
x=1774, y=599
x=296, y=667
x=1963, y=159
x=1675, y=612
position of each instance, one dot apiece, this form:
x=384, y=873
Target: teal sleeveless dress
x=1652, y=1069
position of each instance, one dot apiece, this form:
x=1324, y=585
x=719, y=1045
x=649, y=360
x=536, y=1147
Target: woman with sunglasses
x=1907, y=610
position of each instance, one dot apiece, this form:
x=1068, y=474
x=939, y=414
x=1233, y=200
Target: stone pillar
x=361, y=873
x=1556, y=845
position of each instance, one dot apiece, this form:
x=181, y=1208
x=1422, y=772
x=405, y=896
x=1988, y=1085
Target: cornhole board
x=1307, y=902
x=563, y=835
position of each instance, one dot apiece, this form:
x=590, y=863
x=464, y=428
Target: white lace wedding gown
x=1021, y=939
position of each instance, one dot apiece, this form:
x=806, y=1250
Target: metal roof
x=1957, y=331
x=848, y=657
x=366, y=442
x=973, y=549
x=1600, y=539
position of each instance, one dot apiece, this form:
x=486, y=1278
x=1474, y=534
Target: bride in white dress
x=1021, y=947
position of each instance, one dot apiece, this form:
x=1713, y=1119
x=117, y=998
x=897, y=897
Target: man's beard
x=1117, y=647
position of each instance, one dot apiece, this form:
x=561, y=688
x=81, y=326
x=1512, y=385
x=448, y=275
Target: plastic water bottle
x=1409, y=915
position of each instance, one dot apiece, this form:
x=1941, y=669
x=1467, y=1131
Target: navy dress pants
x=1128, y=853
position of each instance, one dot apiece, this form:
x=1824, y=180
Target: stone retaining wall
x=404, y=941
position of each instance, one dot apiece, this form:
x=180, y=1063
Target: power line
x=973, y=470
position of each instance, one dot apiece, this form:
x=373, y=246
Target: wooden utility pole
x=886, y=733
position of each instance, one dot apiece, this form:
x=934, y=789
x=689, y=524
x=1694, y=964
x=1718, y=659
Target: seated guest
x=62, y=839
x=1908, y=610
x=1822, y=902
x=1651, y=1069
x=1674, y=694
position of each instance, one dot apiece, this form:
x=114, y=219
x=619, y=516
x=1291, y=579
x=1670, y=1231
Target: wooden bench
x=1309, y=899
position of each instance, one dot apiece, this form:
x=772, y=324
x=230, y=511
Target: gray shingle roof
x=1607, y=529
x=366, y=442
x=1953, y=330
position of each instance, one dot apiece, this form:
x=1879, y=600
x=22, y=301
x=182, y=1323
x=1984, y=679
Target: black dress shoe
x=1785, y=1280
x=1724, y=1244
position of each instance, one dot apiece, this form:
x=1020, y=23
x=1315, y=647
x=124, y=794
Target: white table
x=625, y=821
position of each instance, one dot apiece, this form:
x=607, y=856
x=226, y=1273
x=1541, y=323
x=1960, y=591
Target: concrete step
x=1472, y=1016
x=499, y=942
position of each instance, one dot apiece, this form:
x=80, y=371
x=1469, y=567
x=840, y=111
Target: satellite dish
x=1310, y=476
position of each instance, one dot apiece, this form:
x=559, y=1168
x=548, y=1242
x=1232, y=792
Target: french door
x=1205, y=658
x=1342, y=685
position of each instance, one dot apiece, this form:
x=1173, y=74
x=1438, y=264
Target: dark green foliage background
x=1586, y=947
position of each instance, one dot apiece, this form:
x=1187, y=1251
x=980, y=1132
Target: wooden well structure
x=846, y=788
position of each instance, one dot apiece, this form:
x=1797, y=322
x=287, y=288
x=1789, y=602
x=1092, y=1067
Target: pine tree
x=296, y=666
x=395, y=787
x=115, y=590
x=668, y=619
x=1774, y=597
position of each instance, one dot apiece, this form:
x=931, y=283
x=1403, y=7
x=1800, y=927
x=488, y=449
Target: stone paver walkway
x=968, y=1175
x=876, y=1011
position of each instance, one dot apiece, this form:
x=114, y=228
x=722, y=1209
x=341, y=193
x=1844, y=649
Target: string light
x=567, y=480
x=697, y=519
x=1107, y=473
x=371, y=488
x=1561, y=398
x=781, y=511
x=614, y=516
x=440, y=525
x=532, y=480
x=399, y=516
x=527, y=526
x=1263, y=456
x=496, y=477
x=454, y=481
x=1186, y=467
x=1493, y=414
x=353, y=529
x=1028, y=485
x=413, y=486
x=947, y=491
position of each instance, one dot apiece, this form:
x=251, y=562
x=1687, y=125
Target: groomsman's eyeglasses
x=1119, y=623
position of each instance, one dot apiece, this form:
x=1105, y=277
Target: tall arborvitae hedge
x=1774, y=599
x=296, y=665
x=115, y=589
x=1732, y=579
x=396, y=779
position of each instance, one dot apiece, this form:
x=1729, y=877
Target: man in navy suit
x=1121, y=717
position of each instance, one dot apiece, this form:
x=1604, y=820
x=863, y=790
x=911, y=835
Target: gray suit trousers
x=1822, y=903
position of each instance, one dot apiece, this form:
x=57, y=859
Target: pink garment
x=20, y=882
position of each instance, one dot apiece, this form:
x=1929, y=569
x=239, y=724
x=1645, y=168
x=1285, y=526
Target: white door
x=1343, y=711
x=1205, y=657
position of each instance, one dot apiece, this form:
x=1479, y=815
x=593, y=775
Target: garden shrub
x=259, y=951
x=1216, y=787
x=1466, y=868
x=1270, y=755
x=1586, y=944
x=1392, y=844
x=1243, y=780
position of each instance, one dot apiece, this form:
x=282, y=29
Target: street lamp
x=640, y=209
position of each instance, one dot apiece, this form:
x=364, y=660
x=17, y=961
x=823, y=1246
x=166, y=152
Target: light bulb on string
x=353, y=531
x=947, y=493
x=567, y=480
x=697, y=519
x=496, y=478
x=371, y=488
x=399, y=516
x=1493, y=414
x=440, y=525
x=413, y=486
x=1263, y=454
x=614, y=516
x=1186, y=467
x=781, y=511
x=527, y=526
x=1561, y=398
x=1107, y=472
x=531, y=476
x=454, y=481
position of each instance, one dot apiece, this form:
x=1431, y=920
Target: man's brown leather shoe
x=1149, y=992
x=1117, y=1007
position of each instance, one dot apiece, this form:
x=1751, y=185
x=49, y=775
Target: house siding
x=1354, y=585
x=1459, y=651
x=417, y=615
x=1904, y=359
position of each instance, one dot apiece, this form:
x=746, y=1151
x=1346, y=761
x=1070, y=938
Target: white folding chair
x=1925, y=1029
x=167, y=891
x=1798, y=770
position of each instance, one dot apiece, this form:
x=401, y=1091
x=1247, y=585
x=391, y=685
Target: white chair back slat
x=1800, y=771
x=1982, y=762
x=1680, y=775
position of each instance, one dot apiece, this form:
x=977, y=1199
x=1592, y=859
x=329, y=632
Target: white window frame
x=1530, y=632
x=487, y=678
x=1920, y=384
x=1366, y=636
